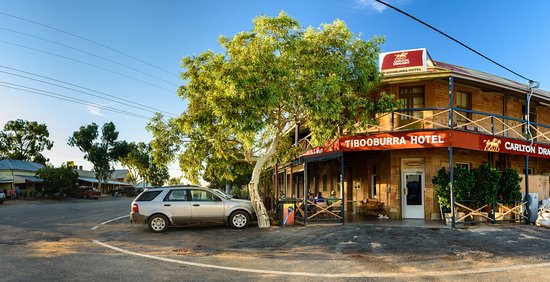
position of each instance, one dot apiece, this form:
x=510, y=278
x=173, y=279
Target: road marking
x=332, y=275
x=108, y=221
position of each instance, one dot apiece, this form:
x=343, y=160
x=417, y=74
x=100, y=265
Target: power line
x=89, y=40
x=455, y=40
x=85, y=63
x=139, y=106
x=88, y=53
x=68, y=98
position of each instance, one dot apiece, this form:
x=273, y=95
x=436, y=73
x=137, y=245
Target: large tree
x=25, y=140
x=100, y=151
x=268, y=80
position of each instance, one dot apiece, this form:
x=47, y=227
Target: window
x=201, y=195
x=176, y=195
x=464, y=102
x=325, y=182
x=147, y=196
x=464, y=165
x=411, y=98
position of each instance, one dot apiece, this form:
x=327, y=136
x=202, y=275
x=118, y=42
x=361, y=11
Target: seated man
x=319, y=198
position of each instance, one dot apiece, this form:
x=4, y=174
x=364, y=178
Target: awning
x=93, y=180
x=26, y=179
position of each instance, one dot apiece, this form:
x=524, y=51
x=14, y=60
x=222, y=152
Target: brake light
x=135, y=208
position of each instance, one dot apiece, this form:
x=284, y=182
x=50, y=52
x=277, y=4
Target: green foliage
x=137, y=162
x=240, y=192
x=480, y=186
x=267, y=80
x=157, y=175
x=25, y=140
x=174, y=181
x=442, y=188
x=464, y=181
x=508, y=188
x=100, y=152
x=59, y=181
x=141, y=165
x=486, y=185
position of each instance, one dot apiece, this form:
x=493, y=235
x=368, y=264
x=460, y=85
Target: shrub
x=508, y=189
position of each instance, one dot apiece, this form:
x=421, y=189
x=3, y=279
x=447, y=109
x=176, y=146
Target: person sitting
x=319, y=198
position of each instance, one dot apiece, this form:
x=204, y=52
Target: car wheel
x=239, y=219
x=158, y=223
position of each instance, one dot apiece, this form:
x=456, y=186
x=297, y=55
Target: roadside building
x=21, y=174
x=451, y=116
x=89, y=178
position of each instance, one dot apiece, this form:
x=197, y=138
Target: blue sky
x=161, y=33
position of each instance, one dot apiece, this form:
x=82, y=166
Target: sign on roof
x=401, y=62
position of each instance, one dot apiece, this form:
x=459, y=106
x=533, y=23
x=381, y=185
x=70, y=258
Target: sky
x=129, y=51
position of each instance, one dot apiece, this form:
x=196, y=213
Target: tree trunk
x=261, y=211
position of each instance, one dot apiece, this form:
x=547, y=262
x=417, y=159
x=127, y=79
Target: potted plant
x=442, y=191
x=485, y=186
x=508, y=190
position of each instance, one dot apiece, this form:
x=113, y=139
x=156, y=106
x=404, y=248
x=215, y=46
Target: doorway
x=413, y=195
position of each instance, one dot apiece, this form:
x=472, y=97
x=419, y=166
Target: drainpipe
x=451, y=171
x=531, y=86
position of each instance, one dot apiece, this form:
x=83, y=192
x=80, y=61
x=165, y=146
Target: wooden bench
x=371, y=207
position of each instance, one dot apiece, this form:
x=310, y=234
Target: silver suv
x=175, y=205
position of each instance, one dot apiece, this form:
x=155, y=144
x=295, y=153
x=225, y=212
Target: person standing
x=12, y=193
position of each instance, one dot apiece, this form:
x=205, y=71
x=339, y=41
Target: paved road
x=53, y=241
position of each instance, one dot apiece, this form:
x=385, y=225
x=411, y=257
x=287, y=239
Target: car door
x=176, y=204
x=206, y=206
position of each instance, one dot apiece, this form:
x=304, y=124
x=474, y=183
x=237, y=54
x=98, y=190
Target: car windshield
x=221, y=193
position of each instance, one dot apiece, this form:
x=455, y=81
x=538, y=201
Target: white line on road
x=110, y=220
x=334, y=275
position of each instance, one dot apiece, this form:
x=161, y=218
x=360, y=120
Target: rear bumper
x=137, y=218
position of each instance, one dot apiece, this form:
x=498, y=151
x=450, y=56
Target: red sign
x=405, y=61
x=434, y=139
x=397, y=140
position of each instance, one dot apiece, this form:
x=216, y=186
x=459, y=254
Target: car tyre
x=158, y=223
x=239, y=219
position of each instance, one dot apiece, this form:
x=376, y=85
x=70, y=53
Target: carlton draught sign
x=402, y=62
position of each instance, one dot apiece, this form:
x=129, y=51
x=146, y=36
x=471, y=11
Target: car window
x=176, y=195
x=201, y=195
x=147, y=196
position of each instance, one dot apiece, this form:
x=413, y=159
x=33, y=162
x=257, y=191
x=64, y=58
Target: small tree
x=464, y=181
x=442, y=190
x=59, y=181
x=508, y=188
x=486, y=185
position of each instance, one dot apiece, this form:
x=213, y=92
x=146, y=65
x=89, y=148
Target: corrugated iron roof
x=9, y=164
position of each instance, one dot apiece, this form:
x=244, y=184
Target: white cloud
x=371, y=4
x=95, y=111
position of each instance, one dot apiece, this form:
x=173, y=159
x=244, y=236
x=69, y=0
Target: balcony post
x=451, y=175
x=451, y=102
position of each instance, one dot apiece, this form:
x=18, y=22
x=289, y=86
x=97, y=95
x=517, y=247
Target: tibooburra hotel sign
x=396, y=141
x=405, y=61
x=433, y=139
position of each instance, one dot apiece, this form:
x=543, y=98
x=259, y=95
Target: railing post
x=392, y=120
x=451, y=102
x=492, y=124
